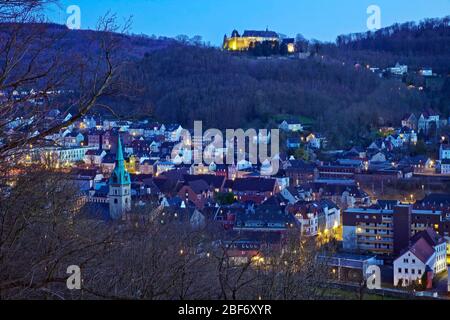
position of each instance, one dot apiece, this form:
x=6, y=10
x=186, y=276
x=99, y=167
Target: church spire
x=119, y=155
x=120, y=175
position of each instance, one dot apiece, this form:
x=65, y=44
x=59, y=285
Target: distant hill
x=132, y=46
x=423, y=44
x=174, y=82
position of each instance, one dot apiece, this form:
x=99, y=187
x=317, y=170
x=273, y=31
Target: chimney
x=402, y=227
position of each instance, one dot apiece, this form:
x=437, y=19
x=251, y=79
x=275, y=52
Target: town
x=380, y=204
x=210, y=154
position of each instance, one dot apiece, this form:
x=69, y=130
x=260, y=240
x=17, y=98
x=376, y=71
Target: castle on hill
x=250, y=38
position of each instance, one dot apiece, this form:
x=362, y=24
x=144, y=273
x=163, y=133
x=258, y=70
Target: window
x=115, y=201
x=413, y=271
x=399, y=270
x=413, y=261
x=420, y=271
x=406, y=270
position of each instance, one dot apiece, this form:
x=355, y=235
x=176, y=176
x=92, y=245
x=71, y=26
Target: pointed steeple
x=119, y=155
x=120, y=175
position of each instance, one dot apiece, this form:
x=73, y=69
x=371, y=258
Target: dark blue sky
x=318, y=19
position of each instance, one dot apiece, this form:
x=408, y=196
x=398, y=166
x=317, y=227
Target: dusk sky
x=318, y=19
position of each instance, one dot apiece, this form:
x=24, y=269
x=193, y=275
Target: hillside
x=174, y=82
x=227, y=91
x=423, y=44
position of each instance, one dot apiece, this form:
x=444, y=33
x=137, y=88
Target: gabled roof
x=422, y=250
x=261, y=34
x=429, y=113
x=407, y=116
x=436, y=199
x=96, y=152
x=253, y=184
x=211, y=180
x=430, y=236
x=198, y=186
x=84, y=173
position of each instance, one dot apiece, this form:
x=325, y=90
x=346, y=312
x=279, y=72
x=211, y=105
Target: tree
x=301, y=154
x=419, y=149
x=225, y=198
x=37, y=67
x=182, y=38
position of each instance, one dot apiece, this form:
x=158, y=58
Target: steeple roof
x=119, y=155
x=120, y=175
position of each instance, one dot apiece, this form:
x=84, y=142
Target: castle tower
x=119, y=187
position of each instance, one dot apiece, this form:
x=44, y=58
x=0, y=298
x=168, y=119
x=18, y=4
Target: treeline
x=424, y=44
x=269, y=48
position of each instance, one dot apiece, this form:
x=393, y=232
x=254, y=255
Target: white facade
x=399, y=69
x=292, y=127
x=310, y=222
x=445, y=168
x=119, y=200
x=61, y=156
x=441, y=258
x=444, y=152
x=410, y=269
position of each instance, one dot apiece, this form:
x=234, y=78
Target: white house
x=444, y=156
x=396, y=140
x=427, y=255
x=315, y=141
x=73, y=139
x=290, y=125
x=317, y=217
x=399, y=69
x=444, y=152
x=427, y=120
x=94, y=157
x=426, y=72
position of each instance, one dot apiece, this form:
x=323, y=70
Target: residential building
x=428, y=119
x=291, y=126
x=386, y=232
x=424, y=258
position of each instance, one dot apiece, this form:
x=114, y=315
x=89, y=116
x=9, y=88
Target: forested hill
x=228, y=91
x=423, y=44
x=174, y=82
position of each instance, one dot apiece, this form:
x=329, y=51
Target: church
x=119, y=187
x=113, y=200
